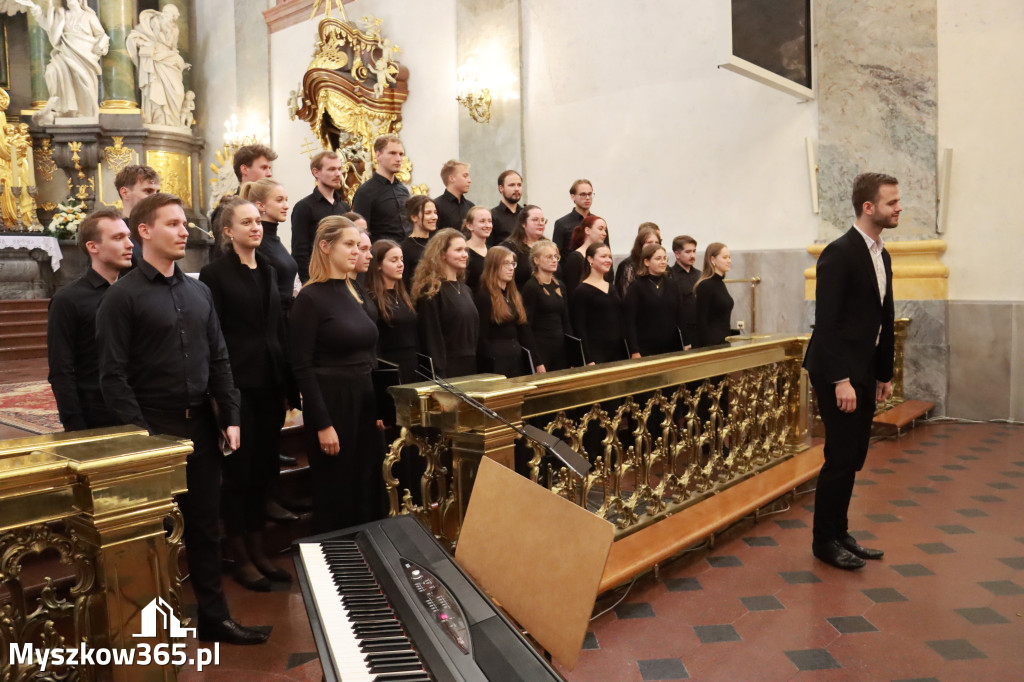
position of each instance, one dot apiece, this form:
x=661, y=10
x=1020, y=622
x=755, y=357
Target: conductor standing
x=850, y=358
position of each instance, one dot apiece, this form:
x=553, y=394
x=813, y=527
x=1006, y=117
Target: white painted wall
x=213, y=80
x=980, y=105
x=425, y=32
x=629, y=96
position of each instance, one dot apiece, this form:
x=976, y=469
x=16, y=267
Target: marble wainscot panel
x=780, y=294
x=877, y=106
x=1017, y=364
x=926, y=369
x=981, y=362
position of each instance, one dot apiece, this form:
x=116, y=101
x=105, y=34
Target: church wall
x=629, y=96
x=980, y=100
x=425, y=32
x=215, y=67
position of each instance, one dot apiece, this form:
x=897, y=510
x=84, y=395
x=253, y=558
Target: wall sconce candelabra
x=471, y=94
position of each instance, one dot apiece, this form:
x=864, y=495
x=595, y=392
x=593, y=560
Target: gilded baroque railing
x=661, y=432
x=96, y=502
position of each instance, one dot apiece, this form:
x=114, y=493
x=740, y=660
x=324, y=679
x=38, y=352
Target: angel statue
x=73, y=73
x=153, y=47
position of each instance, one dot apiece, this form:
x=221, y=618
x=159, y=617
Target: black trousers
x=348, y=488
x=200, y=505
x=249, y=471
x=846, y=447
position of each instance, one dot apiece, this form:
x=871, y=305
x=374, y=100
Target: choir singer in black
x=504, y=332
x=653, y=308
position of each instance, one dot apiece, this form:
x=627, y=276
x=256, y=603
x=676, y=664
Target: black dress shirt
x=451, y=211
x=382, y=203
x=306, y=216
x=273, y=250
x=562, y=232
x=504, y=222
x=685, y=281
x=412, y=252
x=71, y=348
x=161, y=347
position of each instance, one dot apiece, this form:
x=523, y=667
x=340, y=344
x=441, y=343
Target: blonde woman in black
x=547, y=306
x=447, y=320
x=714, y=304
x=333, y=348
x=477, y=227
x=504, y=332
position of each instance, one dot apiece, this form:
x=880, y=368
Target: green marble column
x=118, y=18
x=39, y=56
x=184, y=36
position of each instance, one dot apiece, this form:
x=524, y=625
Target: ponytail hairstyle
x=375, y=280
x=430, y=271
x=708, y=271
x=507, y=305
x=258, y=191
x=591, y=252
x=579, y=233
x=468, y=220
x=226, y=217
x=415, y=206
x=329, y=230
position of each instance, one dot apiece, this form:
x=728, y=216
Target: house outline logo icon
x=159, y=611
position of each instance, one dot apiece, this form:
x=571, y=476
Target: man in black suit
x=850, y=358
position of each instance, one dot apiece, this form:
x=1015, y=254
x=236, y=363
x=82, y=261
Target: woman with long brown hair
x=477, y=227
x=647, y=233
x=593, y=230
x=714, y=304
x=504, y=332
x=546, y=301
x=448, y=322
x=422, y=215
x=529, y=230
x=398, y=340
x=244, y=287
x=333, y=349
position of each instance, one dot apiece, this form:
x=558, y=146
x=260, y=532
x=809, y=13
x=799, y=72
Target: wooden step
x=637, y=553
x=21, y=339
x=23, y=304
x=23, y=353
x=904, y=413
x=22, y=327
x=23, y=316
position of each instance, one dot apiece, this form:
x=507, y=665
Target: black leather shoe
x=287, y=460
x=835, y=554
x=230, y=632
x=278, y=575
x=261, y=584
x=851, y=544
x=279, y=514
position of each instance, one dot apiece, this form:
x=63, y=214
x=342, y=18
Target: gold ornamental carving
x=175, y=173
x=44, y=161
x=352, y=93
x=117, y=156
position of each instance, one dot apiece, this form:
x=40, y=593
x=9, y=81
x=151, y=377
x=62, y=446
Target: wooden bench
x=638, y=552
x=903, y=414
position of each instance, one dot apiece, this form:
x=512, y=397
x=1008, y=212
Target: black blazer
x=253, y=329
x=848, y=315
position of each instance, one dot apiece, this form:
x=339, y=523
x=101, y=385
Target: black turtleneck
x=282, y=261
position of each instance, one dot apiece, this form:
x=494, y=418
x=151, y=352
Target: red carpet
x=29, y=406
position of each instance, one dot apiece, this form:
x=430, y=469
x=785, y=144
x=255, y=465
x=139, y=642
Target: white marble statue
x=73, y=74
x=153, y=47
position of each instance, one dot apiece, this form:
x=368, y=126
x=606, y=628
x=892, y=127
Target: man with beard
x=381, y=199
x=686, y=274
x=850, y=358
x=503, y=216
x=326, y=199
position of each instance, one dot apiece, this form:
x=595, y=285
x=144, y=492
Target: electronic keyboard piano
x=387, y=602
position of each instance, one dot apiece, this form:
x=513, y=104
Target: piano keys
x=386, y=602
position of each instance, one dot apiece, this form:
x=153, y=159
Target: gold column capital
x=918, y=273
